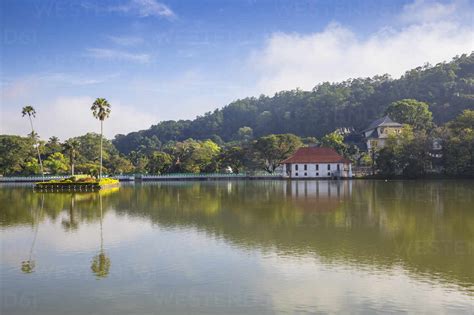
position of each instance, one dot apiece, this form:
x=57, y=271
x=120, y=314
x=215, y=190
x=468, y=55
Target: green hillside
x=448, y=88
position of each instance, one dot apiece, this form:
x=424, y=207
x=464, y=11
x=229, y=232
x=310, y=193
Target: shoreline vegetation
x=435, y=104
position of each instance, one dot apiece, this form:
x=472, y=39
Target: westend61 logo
x=437, y=247
x=17, y=301
x=14, y=37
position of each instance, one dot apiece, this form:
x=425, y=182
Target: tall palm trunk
x=71, y=160
x=37, y=147
x=101, y=136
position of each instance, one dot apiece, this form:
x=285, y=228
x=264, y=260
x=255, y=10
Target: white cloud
x=112, y=54
x=288, y=61
x=71, y=116
x=426, y=11
x=126, y=40
x=145, y=8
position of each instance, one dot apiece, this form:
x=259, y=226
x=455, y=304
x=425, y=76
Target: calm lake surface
x=256, y=247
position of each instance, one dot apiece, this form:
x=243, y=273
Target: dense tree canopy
x=412, y=112
x=271, y=150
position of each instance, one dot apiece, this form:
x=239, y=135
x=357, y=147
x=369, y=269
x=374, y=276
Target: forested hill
x=448, y=88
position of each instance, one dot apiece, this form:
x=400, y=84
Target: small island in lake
x=77, y=183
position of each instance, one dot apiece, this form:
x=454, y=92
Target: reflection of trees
x=71, y=224
x=101, y=263
x=81, y=207
x=382, y=224
x=28, y=266
x=418, y=224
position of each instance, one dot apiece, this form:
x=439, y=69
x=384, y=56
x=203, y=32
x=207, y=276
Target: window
x=305, y=174
x=329, y=173
x=317, y=167
x=305, y=167
x=329, y=167
x=296, y=167
x=296, y=174
x=317, y=174
x=338, y=167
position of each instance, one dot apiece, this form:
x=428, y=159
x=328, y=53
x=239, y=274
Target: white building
x=378, y=131
x=317, y=163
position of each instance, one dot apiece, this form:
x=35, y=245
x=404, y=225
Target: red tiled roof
x=316, y=155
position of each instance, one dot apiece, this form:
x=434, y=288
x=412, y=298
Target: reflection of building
x=379, y=130
x=318, y=195
x=317, y=163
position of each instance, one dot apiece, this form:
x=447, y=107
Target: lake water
x=240, y=247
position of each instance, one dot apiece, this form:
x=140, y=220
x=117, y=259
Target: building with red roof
x=317, y=162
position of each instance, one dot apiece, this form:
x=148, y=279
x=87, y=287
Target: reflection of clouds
x=307, y=285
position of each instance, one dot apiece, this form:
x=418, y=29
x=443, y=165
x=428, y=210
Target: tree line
x=260, y=133
x=409, y=154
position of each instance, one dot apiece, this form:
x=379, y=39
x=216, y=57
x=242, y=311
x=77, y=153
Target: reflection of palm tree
x=101, y=263
x=71, y=224
x=28, y=266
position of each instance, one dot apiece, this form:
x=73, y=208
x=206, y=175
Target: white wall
x=298, y=171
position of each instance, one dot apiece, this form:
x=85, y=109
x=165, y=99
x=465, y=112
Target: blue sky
x=158, y=60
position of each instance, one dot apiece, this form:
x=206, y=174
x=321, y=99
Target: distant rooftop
x=316, y=155
x=384, y=121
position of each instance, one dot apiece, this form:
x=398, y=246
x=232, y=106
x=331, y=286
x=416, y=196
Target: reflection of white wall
x=318, y=188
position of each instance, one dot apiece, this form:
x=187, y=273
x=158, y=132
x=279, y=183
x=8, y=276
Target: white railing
x=31, y=178
x=170, y=176
x=190, y=175
x=124, y=177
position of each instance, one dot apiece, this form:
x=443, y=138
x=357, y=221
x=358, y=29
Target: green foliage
x=53, y=145
x=412, y=112
x=336, y=141
x=56, y=163
x=234, y=157
x=407, y=154
x=101, y=109
x=15, y=152
x=139, y=161
x=159, y=163
x=458, y=145
x=245, y=133
x=31, y=167
x=271, y=150
x=192, y=156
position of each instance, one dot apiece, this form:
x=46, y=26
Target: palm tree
x=30, y=111
x=70, y=147
x=101, y=110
